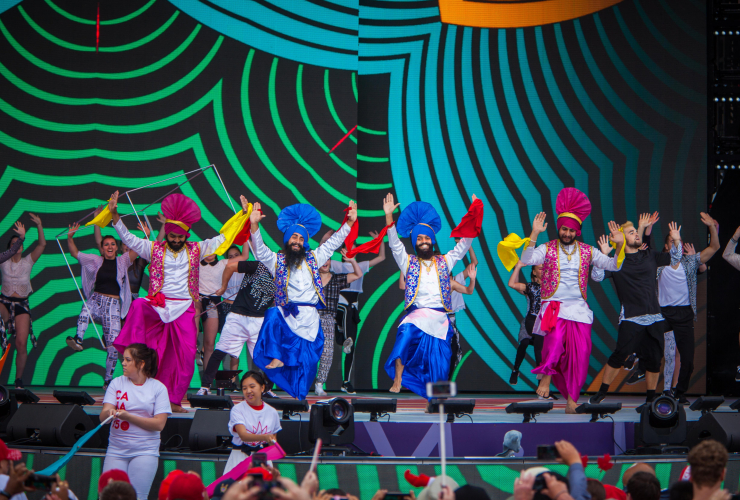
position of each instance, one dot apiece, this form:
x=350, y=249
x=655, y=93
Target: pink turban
x=181, y=213
x=572, y=207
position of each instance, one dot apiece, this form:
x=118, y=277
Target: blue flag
x=54, y=468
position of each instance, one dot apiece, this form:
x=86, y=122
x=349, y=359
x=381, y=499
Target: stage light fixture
x=376, y=407
x=598, y=411
x=289, y=407
x=74, y=398
x=210, y=401
x=662, y=425
x=705, y=404
x=735, y=405
x=332, y=421
x=453, y=407
x=24, y=396
x=530, y=410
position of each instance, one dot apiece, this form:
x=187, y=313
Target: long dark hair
x=12, y=239
x=143, y=354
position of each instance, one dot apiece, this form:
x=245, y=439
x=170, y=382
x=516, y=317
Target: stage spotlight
x=376, y=407
x=529, y=410
x=289, y=407
x=735, y=405
x=662, y=424
x=210, y=402
x=598, y=411
x=74, y=398
x=453, y=407
x=24, y=396
x=705, y=404
x=333, y=421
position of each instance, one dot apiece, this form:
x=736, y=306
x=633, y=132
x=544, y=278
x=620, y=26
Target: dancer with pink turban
x=565, y=318
x=165, y=319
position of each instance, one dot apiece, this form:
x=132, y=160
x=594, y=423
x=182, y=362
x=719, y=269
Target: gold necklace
x=569, y=255
x=428, y=267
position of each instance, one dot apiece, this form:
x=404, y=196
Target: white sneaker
x=204, y=391
x=320, y=390
x=347, y=345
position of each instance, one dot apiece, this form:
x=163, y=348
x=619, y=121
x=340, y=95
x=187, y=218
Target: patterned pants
x=328, y=324
x=107, y=312
x=670, y=360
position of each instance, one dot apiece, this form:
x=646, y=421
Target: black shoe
x=347, y=387
x=641, y=407
x=629, y=363
x=682, y=399
x=19, y=384
x=636, y=376
x=514, y=377
x=597, y=398
x=668, y=393
x=75, y=343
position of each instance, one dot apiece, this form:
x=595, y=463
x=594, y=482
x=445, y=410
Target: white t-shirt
x=346, y=268
x=264, y=421
x=672, y=287
x=457, y=299
x=4, y=482
x=210, y=277
x=146, y=400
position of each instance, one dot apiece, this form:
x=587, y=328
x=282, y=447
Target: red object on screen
x=472, y=222
x=97, y=30
x=372, y=246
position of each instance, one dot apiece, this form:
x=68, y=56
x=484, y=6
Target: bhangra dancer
x=291, y=339
x=530, y=290
x=565, y=318
x=165, y=319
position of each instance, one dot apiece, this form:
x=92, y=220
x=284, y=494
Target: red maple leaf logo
x=605, y=462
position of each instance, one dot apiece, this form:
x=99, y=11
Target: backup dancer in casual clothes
x=332, y=284
x=734, y=260
x=253, y=423
x=14, y=308
x=422, y=350
x=565, y=318
x=141, y=406
x=232, y=288
x=641, y=325
x=244, y=321
x=165, y=320
x=291, y=339
x=105, y=286
x=677, y=297
x=530, y=290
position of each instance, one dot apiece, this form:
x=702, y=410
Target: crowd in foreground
x=702, y=479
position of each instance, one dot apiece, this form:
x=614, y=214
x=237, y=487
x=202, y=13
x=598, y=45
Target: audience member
x=187, y=486
x=634, y=469
x=643, y=486
x=596, y=489
x=682, y=490
x=118, y=490
x=708, y=460
x=110, y=476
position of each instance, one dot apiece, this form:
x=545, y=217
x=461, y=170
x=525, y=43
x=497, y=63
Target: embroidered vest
x=551, y=269
x=412, y=281
x=156, y=268
x=282, y=276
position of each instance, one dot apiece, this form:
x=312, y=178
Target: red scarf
x=472, y=222
x=372, y=246
x=243, y=235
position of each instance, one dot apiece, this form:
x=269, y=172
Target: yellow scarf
x=232, y=228
x=102, y=219
x=620, y=258
x=507, y=250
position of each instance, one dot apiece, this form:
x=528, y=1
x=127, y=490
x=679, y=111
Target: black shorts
x=647, y=340
x=16, y=303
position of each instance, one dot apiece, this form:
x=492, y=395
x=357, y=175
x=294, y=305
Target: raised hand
x=245, y=204
x=36, y=219
x=373, y=234
x=161, y=218
x=472, y=271
x=644, y=246
x=73, y=229
x=352, y=214
x=539, y=225
x=706, y=219
x=389, y=204
x=616, y=235
x=257, y=214
x=688, y=249
x=654, y=218
x=644, y=220
x=604, y=245
x=144, y=229
x=343, y=251
x=113, y=203
x=19, y=228
x=98, y=210
x=675, y=231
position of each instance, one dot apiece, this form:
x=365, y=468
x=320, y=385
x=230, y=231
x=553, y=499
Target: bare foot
x=570, y=407
x=177, y=408
x=396, y=387
x=276, y=363
x=544, y=388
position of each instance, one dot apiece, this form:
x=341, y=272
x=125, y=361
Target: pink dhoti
x=176, y=343
x=565, y=355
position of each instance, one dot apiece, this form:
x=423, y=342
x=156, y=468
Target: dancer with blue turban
x=422, y=350
x=291, y=339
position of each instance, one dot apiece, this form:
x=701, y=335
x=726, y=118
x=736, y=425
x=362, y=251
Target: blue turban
x=300, y=218
x=418, y=218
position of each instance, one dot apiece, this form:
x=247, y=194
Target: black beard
x=175, y=247
x=425, y=254
x=573, y=240
x=635, y=246
x=294, y=258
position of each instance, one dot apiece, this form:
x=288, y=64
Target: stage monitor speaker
x=722, y=427
x=51, y=424
x=209, y=430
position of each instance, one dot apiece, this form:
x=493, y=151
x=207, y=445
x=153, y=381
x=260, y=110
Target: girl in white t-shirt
x=253, y=423
x=140, y=404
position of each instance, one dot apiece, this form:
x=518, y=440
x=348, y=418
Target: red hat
x=164, y=488
x=614, y=492
x=8, y=453
x=572, y=207
x=186, y=487
x=112, y=475
x=266, y=474
x=181, y=213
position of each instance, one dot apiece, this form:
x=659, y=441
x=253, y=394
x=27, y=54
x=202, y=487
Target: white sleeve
x=602, y=261
x=534, y=256
x=275, y=426
x=262, y=253
x=236, y=417
x=162, y=400
x=207, y=247
x=730, y=256
x=398, y=250
x=324, y=252
x=597, y=274
x=456, y=254
x=139, y=245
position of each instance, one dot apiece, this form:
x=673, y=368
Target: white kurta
x=176, y=269
x=300, y=284
x=428, y=296
x=572, y=305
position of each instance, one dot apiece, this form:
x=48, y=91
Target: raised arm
x=401, y=281
x=472, y=272
x=144, y=229
x=649, y=229
x=357, y=274
x=596, y=273
x=643, y=224
x=162, y=220
x=598, y=259
x=41, y=243
x=21, y=230
x=473, y=259
x=709, y=252
x=514, y=279
x=138, y=245
x=729, y=254
x=535, y=256
x=229, y=271
x=397, y=248
x=73, y=251
x=381, y=253
x=325, y=251
x=456, y=254
x=261, y=252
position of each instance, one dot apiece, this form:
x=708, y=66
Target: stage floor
x=489, y=408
